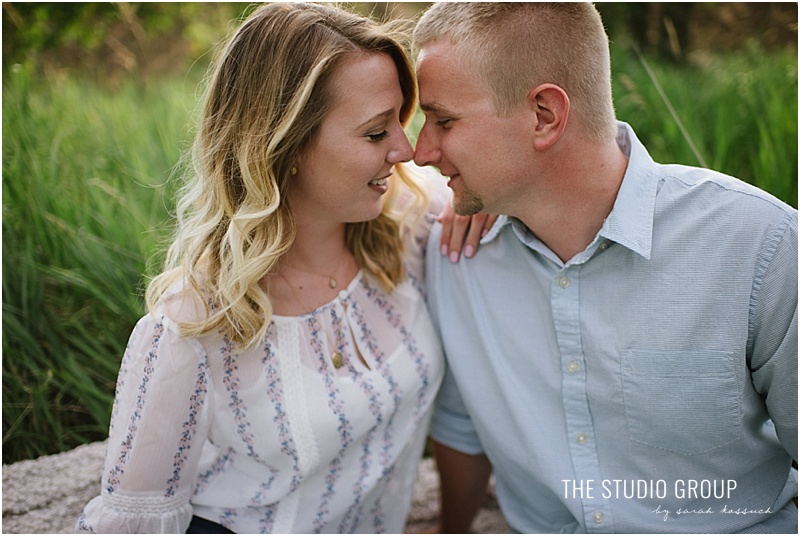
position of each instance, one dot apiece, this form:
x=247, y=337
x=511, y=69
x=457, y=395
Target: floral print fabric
x=281, y=438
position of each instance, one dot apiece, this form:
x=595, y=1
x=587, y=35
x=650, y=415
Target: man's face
x=484, y=154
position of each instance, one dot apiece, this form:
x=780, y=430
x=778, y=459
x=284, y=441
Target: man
x=623, y=352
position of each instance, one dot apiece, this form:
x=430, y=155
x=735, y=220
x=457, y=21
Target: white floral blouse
x=288, y=437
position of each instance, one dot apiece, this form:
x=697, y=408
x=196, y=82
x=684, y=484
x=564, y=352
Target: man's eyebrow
x=383, y=115
x=433, y=107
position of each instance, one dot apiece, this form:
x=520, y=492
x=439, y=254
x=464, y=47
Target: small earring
x=293, y=171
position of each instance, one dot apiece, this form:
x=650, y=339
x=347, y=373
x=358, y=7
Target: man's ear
x=550, y=104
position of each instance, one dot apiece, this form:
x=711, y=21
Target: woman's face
x=343, y=173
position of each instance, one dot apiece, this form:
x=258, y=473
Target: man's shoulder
x=491, y=247
x=722, y=188
x=709, y=188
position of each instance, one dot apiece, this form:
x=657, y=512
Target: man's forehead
x=444, y=49
x=443, y=75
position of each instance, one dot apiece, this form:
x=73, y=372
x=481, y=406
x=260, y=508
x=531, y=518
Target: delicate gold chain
x=332, y=282
x=336, y=356
x=306, y=308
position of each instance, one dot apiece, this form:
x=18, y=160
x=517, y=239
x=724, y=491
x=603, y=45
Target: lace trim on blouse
x=149, y=505
x=288, y=335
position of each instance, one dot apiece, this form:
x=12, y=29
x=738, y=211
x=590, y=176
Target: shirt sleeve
x=773, y=330
x=452, y=425
x=159, y=424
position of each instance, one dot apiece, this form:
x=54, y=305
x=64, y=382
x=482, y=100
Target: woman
x=283, y=379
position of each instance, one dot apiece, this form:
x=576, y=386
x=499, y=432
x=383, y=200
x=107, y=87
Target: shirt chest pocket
x=685, y=402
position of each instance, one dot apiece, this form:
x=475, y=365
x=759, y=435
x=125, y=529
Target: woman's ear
x=550, y=104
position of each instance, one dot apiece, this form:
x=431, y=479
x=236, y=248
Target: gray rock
x=46, y=495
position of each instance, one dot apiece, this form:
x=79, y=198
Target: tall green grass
x=739, y=112
x=86, y=203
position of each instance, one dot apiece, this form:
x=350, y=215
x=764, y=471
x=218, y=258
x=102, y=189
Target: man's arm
x=463, y=481
x=772, y=341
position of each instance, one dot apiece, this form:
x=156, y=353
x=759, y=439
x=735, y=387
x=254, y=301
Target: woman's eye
x=379, y=136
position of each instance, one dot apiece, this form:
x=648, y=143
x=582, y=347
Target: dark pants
x=204, y=526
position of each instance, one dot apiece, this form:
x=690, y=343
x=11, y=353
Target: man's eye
x=444, y=123
x=379, y=136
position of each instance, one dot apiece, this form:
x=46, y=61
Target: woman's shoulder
x=168, y=324
x=417, y=211
x=183, y=303
x=420, y=214
x=433, y=184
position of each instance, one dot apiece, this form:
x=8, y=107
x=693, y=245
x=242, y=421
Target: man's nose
x=426, y=152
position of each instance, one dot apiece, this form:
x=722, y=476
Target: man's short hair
x=513, y=47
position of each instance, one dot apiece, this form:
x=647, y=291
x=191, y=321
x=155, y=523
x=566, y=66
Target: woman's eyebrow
x=383, y=115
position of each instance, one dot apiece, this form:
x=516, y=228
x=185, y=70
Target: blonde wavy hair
x=266, y=98
x=513, y=47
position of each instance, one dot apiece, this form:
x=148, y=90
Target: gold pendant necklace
x=336, y=356
x=332, y=282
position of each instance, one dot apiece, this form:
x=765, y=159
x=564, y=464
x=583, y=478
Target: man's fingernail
x=469, y=251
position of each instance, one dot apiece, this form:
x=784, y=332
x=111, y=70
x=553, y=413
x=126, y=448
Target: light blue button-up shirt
x=647, y=385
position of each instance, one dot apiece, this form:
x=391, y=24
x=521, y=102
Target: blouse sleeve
x=159, y=424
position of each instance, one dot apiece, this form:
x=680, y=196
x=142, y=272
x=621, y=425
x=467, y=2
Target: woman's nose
x=403, y=152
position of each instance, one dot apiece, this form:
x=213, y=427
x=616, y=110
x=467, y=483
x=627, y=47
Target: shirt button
x=563, y=282
x=604, y=246
x=597, y=517
x=581, y=438
x=572, y=366
x=342, y=295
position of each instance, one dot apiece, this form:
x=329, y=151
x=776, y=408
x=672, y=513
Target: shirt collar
x=630, y=222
